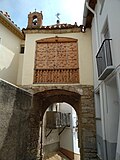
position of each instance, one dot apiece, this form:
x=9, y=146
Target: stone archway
x=20, y=137
x=48, y=97
x=83, y=105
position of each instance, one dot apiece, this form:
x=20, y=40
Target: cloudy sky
x=71, y=11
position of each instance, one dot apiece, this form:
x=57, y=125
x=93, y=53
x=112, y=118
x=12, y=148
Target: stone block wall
x=14, y=113
x=21, y=115
x=87, y=124
x=35, y=20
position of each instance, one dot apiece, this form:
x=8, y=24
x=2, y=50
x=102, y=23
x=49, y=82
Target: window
x=104, y=55
x=22, y=47
x=107, y=46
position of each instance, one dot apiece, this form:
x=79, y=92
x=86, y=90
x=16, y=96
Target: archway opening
x=41, y=102
x=59, y=132
x=83, y=104
x=35, y=20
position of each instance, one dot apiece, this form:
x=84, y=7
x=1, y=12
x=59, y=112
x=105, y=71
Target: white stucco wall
x=69, y=138
x=54, y=135
x=112, y=111
x=109, y=95
x=84, y=49
x=20, y=69
x=109, y=13
x=66, y=137
x=9, y=51
x=118, y=143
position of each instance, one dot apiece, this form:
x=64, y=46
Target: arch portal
x=83, y=105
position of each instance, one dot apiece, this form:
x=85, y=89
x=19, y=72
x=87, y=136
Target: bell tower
x=35, y=20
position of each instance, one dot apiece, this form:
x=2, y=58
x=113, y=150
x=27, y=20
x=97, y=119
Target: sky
x=71, y=11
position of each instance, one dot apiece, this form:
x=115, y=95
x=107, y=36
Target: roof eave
x=87, y=15
x=11, y=26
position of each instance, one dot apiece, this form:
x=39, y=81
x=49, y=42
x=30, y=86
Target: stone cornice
x=52, y=31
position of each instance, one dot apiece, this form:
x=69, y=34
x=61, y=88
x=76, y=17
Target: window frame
x=22, y=49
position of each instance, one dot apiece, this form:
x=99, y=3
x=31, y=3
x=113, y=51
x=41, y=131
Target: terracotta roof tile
x=8, y=17
x=58, y=26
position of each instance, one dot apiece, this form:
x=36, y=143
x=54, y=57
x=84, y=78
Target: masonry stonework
x=15, y=105
x=88, y=131
x=22, y=114
x=35, y=20
x=81, y=99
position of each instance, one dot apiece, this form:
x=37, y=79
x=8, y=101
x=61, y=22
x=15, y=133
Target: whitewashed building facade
x=39, y=67
x=102, y=16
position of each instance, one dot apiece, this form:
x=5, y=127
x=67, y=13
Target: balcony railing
x=104, y=60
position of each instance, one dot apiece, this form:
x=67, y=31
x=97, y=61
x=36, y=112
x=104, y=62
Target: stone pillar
x=87, y=126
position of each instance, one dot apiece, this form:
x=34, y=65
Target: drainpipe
x=96, y=23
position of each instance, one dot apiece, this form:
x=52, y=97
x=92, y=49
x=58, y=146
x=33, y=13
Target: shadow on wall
x=15, y=106
x=9, y=65
x=5, y=52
